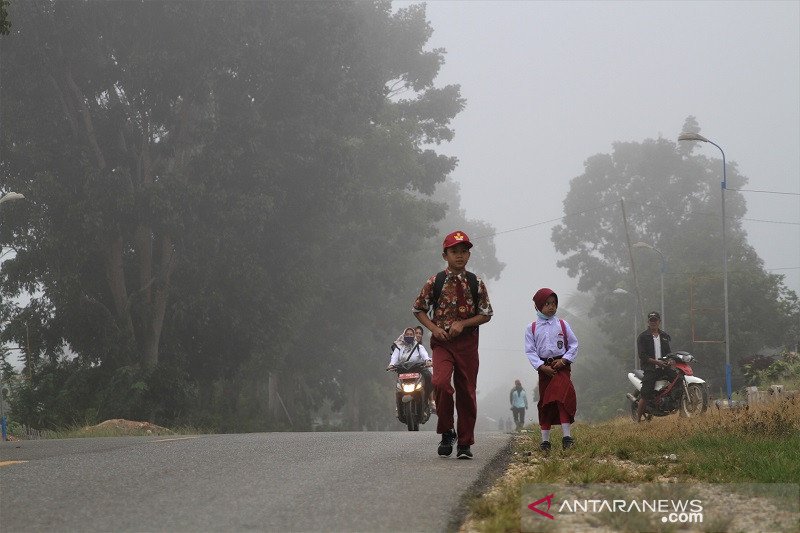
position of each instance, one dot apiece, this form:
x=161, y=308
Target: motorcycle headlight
x=418, y=386
x=408, y=387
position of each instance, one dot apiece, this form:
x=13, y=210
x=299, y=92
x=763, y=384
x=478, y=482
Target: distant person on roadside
x=458, y=303
x=551, y=348
x=519, y=403
x=652, y=344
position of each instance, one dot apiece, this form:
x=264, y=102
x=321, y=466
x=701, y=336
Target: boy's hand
x=456, y=328
x=440, y=334
x=547, y=369
x=390, y=367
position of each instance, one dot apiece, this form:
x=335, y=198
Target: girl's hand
x=548, y=370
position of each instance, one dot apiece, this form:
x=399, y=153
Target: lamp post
x=663, y=269
x=635, y=327
x=687, y=136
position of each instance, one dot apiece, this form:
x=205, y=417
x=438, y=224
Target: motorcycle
x=410, y=394
x=685, y=393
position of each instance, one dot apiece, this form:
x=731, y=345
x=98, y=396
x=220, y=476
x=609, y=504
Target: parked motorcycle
x=685, y=393
x=410, y=394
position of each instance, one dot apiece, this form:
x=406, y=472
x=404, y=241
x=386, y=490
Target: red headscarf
x=541, y=297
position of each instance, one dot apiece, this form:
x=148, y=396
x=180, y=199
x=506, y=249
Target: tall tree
x=220, y=196
x=672, y=199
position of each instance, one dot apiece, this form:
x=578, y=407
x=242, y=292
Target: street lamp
x=11, y=196
x=635, y=328
x=663, y=269
x=686, y=136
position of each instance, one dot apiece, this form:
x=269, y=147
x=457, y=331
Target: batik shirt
x=451, y=307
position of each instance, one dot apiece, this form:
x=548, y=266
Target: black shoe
x=545, y=446
x=567, y=442
x=464, y=452
x=446, y=445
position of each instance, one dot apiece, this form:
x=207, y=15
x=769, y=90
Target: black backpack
x=438, y=283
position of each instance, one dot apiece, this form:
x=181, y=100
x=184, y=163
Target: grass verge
x=760, y=444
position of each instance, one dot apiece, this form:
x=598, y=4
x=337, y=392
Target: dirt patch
x=126, y=427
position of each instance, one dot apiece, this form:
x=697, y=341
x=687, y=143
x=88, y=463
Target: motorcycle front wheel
x=411, y=417
x=696, y=402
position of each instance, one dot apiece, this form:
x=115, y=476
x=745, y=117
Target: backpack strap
x=563, y=331
x=438, y=283
x=416, y=347
x=472, y=279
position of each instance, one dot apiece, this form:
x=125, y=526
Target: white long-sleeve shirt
x=546, y=343
x=419, y=354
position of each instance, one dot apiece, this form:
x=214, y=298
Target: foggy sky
x=549, y=84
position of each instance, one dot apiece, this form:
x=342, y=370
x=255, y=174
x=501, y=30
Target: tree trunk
x=158, y=306
x=115, y=276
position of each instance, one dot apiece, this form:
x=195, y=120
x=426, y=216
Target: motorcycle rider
x=652, y=343
x=408, y=348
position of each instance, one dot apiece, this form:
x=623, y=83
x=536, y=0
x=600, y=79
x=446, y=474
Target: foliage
x=219, y=196
x=5, y=24
x=672, y=198
x=598, y=399
x=766, y=371
x=751, y=366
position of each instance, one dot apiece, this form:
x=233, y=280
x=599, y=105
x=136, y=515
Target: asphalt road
x=388, y=481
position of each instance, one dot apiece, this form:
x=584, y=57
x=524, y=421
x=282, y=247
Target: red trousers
x=557, y=401
x=456, y=359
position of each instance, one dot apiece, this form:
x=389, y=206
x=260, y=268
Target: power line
x=544, y=221
x=771, y=221
x=634, y=203
x=766, y=192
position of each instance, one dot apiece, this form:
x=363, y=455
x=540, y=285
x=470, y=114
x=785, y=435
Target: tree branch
x=80, y=101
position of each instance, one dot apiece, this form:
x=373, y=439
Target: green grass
x=757, y=445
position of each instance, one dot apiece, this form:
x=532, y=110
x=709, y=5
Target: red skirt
x=554, y=391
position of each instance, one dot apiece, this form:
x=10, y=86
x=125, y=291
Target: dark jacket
x=647, y=348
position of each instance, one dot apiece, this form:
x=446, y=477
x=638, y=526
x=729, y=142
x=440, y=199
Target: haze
x=549, y=84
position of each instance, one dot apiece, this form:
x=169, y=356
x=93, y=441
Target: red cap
x=457, y=237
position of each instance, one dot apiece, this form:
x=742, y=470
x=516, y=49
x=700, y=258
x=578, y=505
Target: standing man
x=519, y=402
x=452, y=304
x=652, y=343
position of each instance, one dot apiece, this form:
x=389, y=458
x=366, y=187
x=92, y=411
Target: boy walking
x=458, y=303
